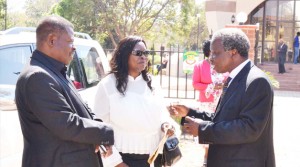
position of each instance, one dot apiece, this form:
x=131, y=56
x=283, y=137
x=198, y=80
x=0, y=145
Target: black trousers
x=281, y=61
x=140, y=160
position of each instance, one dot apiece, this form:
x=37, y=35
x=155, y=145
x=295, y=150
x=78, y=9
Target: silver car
x=87, y=68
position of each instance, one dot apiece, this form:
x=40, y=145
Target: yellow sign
x=189, y=60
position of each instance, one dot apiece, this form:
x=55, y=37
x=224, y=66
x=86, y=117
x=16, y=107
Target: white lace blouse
x=136, y=117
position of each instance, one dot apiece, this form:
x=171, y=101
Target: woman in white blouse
x=126, y=99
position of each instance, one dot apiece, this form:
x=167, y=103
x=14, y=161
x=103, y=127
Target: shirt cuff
x=112, y=160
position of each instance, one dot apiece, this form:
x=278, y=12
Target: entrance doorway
x=277, y=19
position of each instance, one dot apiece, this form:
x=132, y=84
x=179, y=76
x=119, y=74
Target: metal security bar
x=166, y=66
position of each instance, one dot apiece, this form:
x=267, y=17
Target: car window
x=74, y=73
x=91, y=64
x=12, y=61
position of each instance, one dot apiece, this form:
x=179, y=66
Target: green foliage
x=156, y=59
x=155, y=63
x=167, y=22
x=2, y=14
x=36, y=10
x=82, y=13
x=16, y=19
x=273, y=80
x=115, y=18
x=180, y=26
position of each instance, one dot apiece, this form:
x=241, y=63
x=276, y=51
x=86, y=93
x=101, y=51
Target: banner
x=189, y=60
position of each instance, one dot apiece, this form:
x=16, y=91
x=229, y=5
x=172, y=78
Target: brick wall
x=249, y=30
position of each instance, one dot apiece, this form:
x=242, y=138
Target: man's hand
x=178, y=110
x=105, y=151
x=191, y=125
x=122, y=165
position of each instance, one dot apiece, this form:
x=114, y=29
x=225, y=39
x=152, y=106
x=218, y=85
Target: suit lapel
x=233, y=86
x=63, y=80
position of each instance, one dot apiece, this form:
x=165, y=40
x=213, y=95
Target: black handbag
x=171, y=152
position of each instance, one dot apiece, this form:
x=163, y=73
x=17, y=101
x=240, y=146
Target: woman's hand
x=168, y=129
x=122, y=165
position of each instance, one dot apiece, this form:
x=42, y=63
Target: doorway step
x=289, y=81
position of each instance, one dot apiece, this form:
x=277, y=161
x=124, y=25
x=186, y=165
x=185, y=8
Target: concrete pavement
x=286, y=135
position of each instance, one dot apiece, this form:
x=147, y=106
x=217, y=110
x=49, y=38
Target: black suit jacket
x=240, y=133
x=57, y=126
x=282, y=49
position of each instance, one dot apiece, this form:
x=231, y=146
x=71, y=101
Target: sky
x=15, y=5
x=199, y=1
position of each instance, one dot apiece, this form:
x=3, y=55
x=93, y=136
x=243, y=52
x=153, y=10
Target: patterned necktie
x=225, y=86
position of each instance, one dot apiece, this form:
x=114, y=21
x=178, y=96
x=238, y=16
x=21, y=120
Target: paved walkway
x=286, y=133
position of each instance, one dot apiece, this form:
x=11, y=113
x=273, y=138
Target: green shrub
x=273, y=80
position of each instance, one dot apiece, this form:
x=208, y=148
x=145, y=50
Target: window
x=271, y=10
x=75, y=74
x=12, y=61
x=286, y=10
x=91, y=64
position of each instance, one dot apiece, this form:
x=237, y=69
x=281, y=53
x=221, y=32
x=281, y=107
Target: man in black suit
x=58, y=127
x=240, y=132
x=281, y=50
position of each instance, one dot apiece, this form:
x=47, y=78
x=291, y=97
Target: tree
x=180, y=25
x=3, y=14
x=166, y=22
x=82, y=13
x=115, y=18
x=36, y=9
x=160, y=22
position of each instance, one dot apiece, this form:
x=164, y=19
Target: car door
x=86, y=70
x=13, y=59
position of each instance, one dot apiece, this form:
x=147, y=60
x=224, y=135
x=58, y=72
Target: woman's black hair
x=119, y=63
x=206, y=48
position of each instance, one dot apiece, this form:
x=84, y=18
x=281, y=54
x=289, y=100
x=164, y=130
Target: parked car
x=88, y=66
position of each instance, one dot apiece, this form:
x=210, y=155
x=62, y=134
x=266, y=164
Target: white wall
x=216, y=20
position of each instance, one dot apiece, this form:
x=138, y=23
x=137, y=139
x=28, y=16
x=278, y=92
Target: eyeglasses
x=140, y=53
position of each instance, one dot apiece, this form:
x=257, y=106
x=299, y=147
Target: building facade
x=274, y=19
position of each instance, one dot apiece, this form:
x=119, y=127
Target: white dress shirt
x=237, y=69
